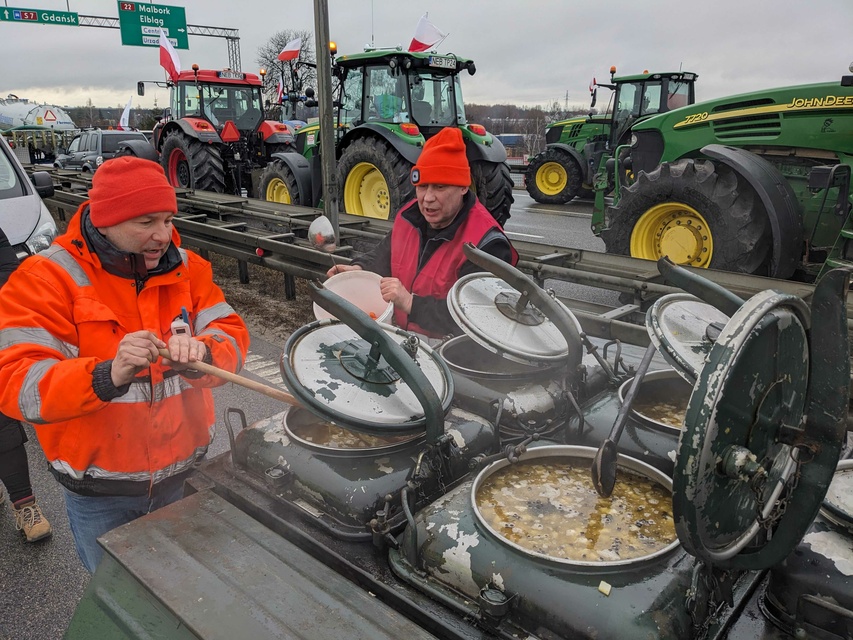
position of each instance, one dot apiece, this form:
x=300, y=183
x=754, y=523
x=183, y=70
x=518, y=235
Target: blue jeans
x=92, y=516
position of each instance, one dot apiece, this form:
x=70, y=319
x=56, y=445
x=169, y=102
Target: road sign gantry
x=140, y=24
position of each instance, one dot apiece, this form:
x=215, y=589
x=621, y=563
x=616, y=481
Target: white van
x=23, y=217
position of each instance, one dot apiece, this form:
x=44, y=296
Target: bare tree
x=297, y=75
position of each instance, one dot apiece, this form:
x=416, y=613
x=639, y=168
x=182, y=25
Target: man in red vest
x=421, y=258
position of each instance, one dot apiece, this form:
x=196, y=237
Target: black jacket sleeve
x=378, y=259
x=8, y=258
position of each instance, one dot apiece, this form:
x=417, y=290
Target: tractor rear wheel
x=553, y=177
x=374, y=179
x=492, y=183
x=697, y=213
x=190, y=164
x=278, y=184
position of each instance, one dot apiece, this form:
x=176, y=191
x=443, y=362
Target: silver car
x=23, y=216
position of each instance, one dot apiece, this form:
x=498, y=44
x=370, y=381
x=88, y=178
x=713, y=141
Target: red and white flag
x=291, y=50
x=426, y=35
x=169, y=59
x=280, y=90
x=124, y=122
x=592, y=85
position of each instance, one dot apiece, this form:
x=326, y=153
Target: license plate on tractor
x=442, y=62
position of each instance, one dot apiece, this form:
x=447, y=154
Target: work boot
x=30, y=520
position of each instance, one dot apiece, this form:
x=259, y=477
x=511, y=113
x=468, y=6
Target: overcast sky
x=527, y=52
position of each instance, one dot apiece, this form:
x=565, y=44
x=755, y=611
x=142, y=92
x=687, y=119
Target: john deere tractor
x=214, y=134
x=753, y=183
x=567, y=166
x=389, y=102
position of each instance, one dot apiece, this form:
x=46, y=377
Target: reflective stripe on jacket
x=63, y=314
x=441, y=269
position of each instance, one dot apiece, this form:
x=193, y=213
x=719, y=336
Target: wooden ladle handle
x=272, y=392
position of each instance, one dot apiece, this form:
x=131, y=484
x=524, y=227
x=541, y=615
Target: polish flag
x=280, y=90
x=426, y=35
x=124, y=123
x=291, y=50
x=169, y=59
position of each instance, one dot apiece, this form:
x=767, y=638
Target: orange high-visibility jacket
x=62, y=314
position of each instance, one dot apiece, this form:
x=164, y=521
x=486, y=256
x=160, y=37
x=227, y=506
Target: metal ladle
x=321, y=235
x=604, y=463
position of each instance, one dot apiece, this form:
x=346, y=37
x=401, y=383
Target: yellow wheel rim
x=277, y=191
x=551, y=178
x=675, y=230
x=366, y=192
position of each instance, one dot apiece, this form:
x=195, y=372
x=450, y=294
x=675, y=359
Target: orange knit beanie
x=128, y=187
x=443, y=160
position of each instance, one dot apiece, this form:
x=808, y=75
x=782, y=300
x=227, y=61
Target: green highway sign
x=38, y=16
x=140, y=24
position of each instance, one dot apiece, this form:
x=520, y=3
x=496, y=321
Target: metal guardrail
x=274, y=235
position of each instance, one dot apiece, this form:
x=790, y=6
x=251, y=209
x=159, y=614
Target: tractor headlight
x=634, y=140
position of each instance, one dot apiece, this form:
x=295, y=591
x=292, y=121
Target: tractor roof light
x=333, y=48
x=477, y=129
x=410, y=129
x=262, y=72
x=407, y=63
x=612, y=71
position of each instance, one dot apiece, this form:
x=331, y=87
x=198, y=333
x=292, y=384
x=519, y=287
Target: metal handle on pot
x=533, y=293
x=382, y=344
x=704, y=289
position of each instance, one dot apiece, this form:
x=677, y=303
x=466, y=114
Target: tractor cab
x=220, y=96
x=637, y=97
x=395, y=88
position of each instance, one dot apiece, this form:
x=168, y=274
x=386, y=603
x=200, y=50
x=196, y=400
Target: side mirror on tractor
x=140, y=88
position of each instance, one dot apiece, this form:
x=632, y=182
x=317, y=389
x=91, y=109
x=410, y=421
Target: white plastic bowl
x=361, y=288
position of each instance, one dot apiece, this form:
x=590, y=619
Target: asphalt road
x=41, y=583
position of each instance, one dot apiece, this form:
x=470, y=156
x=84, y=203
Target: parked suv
x=88, y=150
x=23, y=216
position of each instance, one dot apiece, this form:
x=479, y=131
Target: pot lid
x=487, y=310
x=336, y=375
x=745, y=462
x=683, y=329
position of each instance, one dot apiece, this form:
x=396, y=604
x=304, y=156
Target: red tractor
x=213, y=135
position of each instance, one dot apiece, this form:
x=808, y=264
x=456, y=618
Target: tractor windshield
x=219, y=103
x=436, y=99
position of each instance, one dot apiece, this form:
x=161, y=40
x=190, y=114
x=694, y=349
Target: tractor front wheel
x=374, y=179
x=697, y=213
x=553, y=177
x=191, y=164
x=492, y=183
x=278, y=184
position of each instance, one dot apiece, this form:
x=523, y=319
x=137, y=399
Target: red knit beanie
x=443, y=160
x=128, y=187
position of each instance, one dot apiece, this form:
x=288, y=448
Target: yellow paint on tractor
x=675, y=230
x=551, y=179
x=366, y=192
x=277, y=191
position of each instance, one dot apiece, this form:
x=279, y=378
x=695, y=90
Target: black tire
x=492, y=182
x=699, y=213
x=553, y=177
x=190, y=164
x=278, y=184
x=374, y=179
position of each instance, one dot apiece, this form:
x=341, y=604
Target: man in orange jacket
x=421, y=257
x=80, y=334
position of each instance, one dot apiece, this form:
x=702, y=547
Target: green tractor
x=575, y=147
x=389, y=102
x=755, y=183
